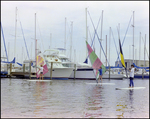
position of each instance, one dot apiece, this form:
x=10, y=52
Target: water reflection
x=125, y=103
x=94, y=102
x=40, y=96
x=131, y=97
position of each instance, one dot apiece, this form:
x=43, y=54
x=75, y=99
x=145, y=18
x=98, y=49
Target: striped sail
x=40, y=61
x=95, y=61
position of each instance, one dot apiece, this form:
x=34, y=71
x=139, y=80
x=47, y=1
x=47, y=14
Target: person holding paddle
x=100, y=74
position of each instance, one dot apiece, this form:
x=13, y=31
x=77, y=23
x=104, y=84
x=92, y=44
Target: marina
x=74, y=59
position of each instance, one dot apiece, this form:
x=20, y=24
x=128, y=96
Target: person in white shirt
x=131, y=76
x=41, y=72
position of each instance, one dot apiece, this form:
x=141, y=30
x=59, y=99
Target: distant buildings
x=128, y=63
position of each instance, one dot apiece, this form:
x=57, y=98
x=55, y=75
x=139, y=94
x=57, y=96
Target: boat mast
x=22, y=54
x=15, y=34
x=109, y=43
x=86, y=28
x=101, y=32
x=133, y=36
x=106, y=50
x=8, y=51
x=144, y=51
x=35, y=44
x=71, y=39
x=140, y=50
x=65, y=35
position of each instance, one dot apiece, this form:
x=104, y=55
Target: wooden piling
x=74, y=71
x=51, y=70
x=23, y=68
x=30, y=69
x=10, y=68
x=142, y=74
x=109, y=72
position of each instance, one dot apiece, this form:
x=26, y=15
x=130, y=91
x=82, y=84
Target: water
x=73, y=98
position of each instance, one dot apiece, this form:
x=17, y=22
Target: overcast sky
x=50, y=19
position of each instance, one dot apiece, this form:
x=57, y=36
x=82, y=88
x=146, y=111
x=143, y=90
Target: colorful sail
x=121, y=55
x=40, y=61
x=95, y=61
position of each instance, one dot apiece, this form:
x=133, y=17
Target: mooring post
x=142, y=73
x=23, y=68
x=109, y=72
x=51, y=70
x=74, y=71
x=30, y=69
x=10, y=68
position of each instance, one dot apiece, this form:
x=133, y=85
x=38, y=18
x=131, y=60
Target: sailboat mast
x=22, y=54
x=133, y=36
x=140, y=49
x=71, y=40
x=15, y=34
x=106, y=50
x=8, y=51
x=109, y=43
x=86, y=27
x=35, y=43
x=65, y=34
x=101, y=32
x=144, y=51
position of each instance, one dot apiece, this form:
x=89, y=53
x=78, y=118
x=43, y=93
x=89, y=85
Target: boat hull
x=88, y=73
x=59, y=73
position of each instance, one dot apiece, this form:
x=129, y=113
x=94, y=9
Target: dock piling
x=23, y=68
x=30, y=70
x=51, y=70
x=74, y=71
x=10, y=69
x=109, y=72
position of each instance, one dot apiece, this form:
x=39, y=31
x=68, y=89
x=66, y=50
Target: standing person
x=131, y=76
x=41, y=72
x=100, y=74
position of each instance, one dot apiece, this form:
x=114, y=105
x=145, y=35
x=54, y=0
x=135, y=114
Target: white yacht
x=59, y=70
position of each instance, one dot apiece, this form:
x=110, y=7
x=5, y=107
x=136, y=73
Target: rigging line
x=94, y=33
x=124, y=36
x=99, y=39
x=4, y=41
x=23, y=36
x=114, y=41
x=95, y=29
x=24, y=40
x=40, y=34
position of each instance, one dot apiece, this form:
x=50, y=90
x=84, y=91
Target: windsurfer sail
x=95, y=61
x=40, y=61
x=122, y=58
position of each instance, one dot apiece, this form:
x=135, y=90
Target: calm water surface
x=73, y=98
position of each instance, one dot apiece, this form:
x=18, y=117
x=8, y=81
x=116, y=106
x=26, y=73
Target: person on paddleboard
x=100, y=74
x=41, y=72
x=131, y=76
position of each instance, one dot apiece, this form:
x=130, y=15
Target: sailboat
x=95, y=61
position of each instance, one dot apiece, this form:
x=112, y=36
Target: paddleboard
x=102, y=83
x=39, y=80
x=130, y=88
